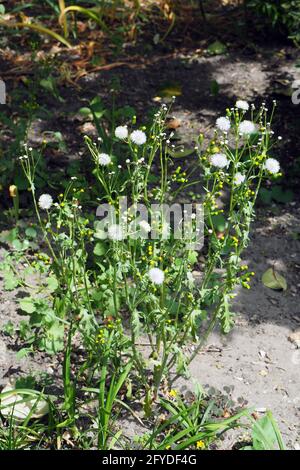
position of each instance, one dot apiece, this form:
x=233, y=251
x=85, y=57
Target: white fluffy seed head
x=223, y=124
x=45, y=201
x=239, y=178
x=121, y=132
x=241, y=104
x=247, y=127
x=115, y=232
x=219, y=160
x=104, y=159
x=144, y=226
x=138, y=137
x=272, y=165
x=156, y=276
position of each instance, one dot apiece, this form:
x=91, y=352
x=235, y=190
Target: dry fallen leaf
x=263, y=373
x=173, y=123
x=20, y=405
x=295, y=338
x=274, y=280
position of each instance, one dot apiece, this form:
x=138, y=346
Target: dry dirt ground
x=257, y=357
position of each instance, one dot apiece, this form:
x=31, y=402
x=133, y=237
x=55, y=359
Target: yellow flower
x=173, y=393
x=13, y=190
x=200, y=445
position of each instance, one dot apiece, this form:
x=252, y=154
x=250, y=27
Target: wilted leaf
x=274, y=280
x=173, y=123
x=180, y=153
x=170, y=89
x=295, y=338
x=21, y=405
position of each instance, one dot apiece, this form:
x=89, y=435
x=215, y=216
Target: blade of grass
x=84, y=11
x=36, y=27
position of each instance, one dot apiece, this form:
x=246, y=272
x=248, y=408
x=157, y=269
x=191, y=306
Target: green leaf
x=23, y=353
x=274, y=280
x=20, y=246
x=280, y=195
x=192, y=257
x=54, y=341
x=52, y=283
x=27, y=305
x=97, y=107
x=48, y=84
x=135, y=322
x=30, y=232
x=36, y=27
x=219, y=222
x=265, y=196
x=214, y=87
x=9, y=236
x=10, y=280
x=100, y=249
x=86, y=112
x=216, y=48
x=266, y=434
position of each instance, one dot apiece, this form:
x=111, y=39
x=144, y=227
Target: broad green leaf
x=10, y=280
x=27, y=305
x=31, y=232
x=86, y=112
x=52, y=283
x=100, y=249
x=280, y=195
x=192, y=257
x=219, y=222
x=265, y=195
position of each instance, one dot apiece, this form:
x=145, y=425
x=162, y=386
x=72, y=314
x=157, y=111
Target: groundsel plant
x=128, y=279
